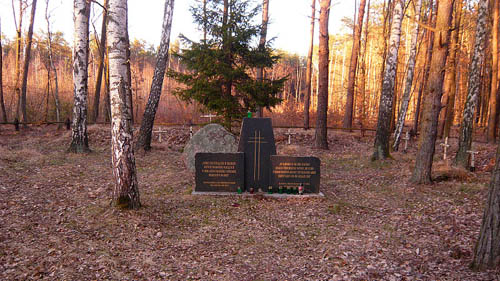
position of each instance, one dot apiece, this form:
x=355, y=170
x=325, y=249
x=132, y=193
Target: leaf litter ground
x=56, y=222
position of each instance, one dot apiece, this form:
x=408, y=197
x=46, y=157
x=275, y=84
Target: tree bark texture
x=487, y=251
x=307, y=94
x=362, y=73
x=349, y=106
x=2, y=104
x=433, y=93
x=409, y=78
x=100, y=70
x=52, y=65
x=473, y=88
x=493, y=119
x=19, y=42
x=382, y=136
x=262, y=44
x=145, y=133
x=79, y=136
x=451, y=84
x=27, y=58
x=126, y=189
x=321, y=133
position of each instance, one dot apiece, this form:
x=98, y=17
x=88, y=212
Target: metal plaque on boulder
x=291, y=172
x=257, y=142
x=219, y=172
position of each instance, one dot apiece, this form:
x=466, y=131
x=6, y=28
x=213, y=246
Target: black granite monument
x=257, y=142
x=219, y=172
x=290, y=172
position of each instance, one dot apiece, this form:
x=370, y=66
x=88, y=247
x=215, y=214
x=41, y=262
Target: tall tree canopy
x=220, y=66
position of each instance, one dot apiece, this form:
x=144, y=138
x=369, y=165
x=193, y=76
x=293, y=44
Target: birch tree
x=79, y=136
x=321, y=134
x=126, y=189
x=381, y=150
x=27, y=58
x=144, y=140
x=409, y=78
x=349, y=106
x=473, y=88
x=433, y=93
x=307, y=94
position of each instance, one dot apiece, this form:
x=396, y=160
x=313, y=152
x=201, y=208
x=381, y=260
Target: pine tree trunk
x=79, y=137
x=2, y=104
x=349, y=106
x=381, y=150
x=321, y=134
x=433, y=93
x=27, y=57
x=107, y=99
x=362, y=73
x=493, y=120
x=307, y=95
x=126, y=189
x=19, y=42
x=451, y=85
x=262, y=45
x=487, y=251
x=473, y=89
x=52, y=66
x=409, y=78
x=144, y=140
x=100, y=70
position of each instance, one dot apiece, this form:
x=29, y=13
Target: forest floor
x=56, y=222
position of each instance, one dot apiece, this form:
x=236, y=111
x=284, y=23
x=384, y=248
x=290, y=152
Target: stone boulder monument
x=211, y=138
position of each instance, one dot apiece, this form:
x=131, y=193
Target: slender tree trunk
x=409, y=78
x=47, y=95
x=321, y=134
x=349, y=106
x=2, y=104
x=144, y=141
x=433, y=93
x=52, y=65
x=487, y=251
x=473, y=89
x=129, y=75
x=126, y=188
x=107, y=99
x=100, y=70
x=262, y=45
x=19, y=38
x=79, y=137
x=27, y=57
x=493, y=119
x=362, y=72
x=451, y=85
x=381, y=150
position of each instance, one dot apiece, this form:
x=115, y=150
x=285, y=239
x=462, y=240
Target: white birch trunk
x=409, y=78
x=473, y=90
x=79, y=137
x=126, y=189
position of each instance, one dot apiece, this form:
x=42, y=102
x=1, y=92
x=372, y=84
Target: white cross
x=209, y=116
x=160, y=131
x=472, y=159
x=289, y=134
x=406, y=138
x=445, y=146
x=190, y=132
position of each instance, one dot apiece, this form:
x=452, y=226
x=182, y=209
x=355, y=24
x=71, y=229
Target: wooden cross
x=289, y=134
x=159, y=131
x=209, y=116
x=445, y=146
x=472, y=159
x=406, y=139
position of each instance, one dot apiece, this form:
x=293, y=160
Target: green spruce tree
x=220, y=67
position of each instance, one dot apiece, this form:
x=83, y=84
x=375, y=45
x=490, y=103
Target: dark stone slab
x=291, y=171
x=257, y=142
x=219, y=172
